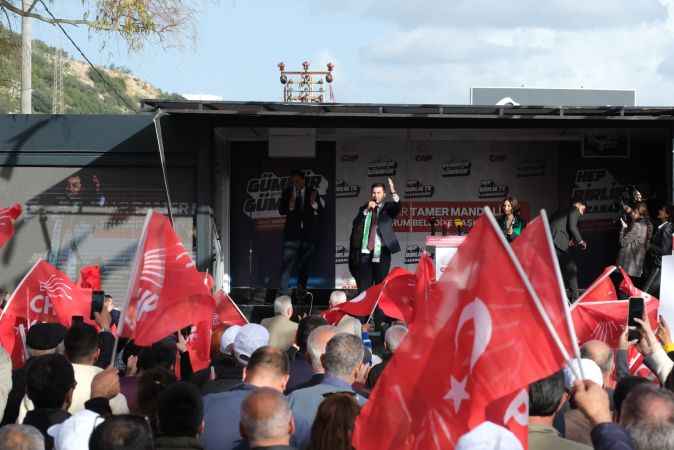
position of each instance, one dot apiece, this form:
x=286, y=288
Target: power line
x=98, y=72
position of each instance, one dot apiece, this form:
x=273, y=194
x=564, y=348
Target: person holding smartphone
x=633, y=239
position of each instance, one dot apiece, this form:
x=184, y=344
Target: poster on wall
x=256, y=224
x=75, y=217
x=438, y=181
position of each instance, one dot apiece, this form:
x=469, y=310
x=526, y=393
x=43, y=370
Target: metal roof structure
x=367, y=115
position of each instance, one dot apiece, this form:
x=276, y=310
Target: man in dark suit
x=302, y=207
x=660, y=245
x=567, y=237
x=374, y=236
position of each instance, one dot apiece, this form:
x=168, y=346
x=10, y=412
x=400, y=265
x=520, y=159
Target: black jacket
x=44, y=418
x=564, y=228
x=387, y=213
x=660, y=245
x=302, y=223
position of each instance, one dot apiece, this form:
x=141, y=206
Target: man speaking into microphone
x=377, y=241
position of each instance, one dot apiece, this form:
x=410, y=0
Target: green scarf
x=366, y=236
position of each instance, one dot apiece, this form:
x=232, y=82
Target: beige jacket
x=282, y=332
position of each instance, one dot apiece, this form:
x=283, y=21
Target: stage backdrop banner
x=75, y=217
x=256, y=225
x=438, y=179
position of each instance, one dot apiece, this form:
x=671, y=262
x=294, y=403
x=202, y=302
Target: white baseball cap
x=227, y=339
x=489, y=436
x=249, y=338
x=590, y=371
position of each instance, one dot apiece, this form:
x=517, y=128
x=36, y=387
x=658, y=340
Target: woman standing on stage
x=510, y=221
x=634, y=238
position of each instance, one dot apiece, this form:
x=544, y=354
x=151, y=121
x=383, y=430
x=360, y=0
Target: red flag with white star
x=481, y=338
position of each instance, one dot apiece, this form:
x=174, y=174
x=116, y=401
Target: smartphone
x=636, y=310
x=97, y=299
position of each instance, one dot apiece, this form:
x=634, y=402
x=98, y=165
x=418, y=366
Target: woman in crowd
x=511, y=221
x=334, y=422
x=659, y=245
x=633, y=241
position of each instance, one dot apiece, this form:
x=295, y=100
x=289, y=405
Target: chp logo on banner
x=166, y=292
x=346, y=190
x=490, y=189
x=341, y=254
x=601, y=191
x=265, y=192
x=47, y=295
x=456, y=168
x=527, y=169
x=380, y=168
x=413, y=253
x=416, y=189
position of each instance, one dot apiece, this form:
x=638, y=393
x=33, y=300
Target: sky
x=401, y=51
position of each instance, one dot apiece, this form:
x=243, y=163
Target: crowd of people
x=265, y=390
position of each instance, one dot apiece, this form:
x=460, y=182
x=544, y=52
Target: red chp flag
x=11, y=339
x=166, y=292
x=601, y=289
x=47, y=295
x=535, y=251
x=226, y=310
x=605, y=321
x=7, y=218
x=482, y=339
x=90, y=278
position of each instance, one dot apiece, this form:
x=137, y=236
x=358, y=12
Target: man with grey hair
x=392, y=339
x=602, y=354
x=266, y=420
x=342, y=362
x=282, y=330
x=648, y=416
x=318, y=340
x=21, y=437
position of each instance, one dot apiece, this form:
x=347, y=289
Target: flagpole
x=129, y=292
x=530, y=289
x=562, y=290
x=378, y=297
x=162, y=161
x=11, y=297
x=593, y=285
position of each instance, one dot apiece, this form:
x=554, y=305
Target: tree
x=135, y=21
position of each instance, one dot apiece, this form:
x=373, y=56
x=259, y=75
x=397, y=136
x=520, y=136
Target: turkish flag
x=7, y=218
x=398, y=295
x=226, y=311
x=481, y=339
x=90, y=277
x=47, y=295
x=166, y=292
x=535, y=251
x=601, y=289
x=605, y=321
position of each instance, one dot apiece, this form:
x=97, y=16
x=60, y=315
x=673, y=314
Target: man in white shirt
x=81, y=349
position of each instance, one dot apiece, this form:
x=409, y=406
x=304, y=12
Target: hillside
x=84, y=92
